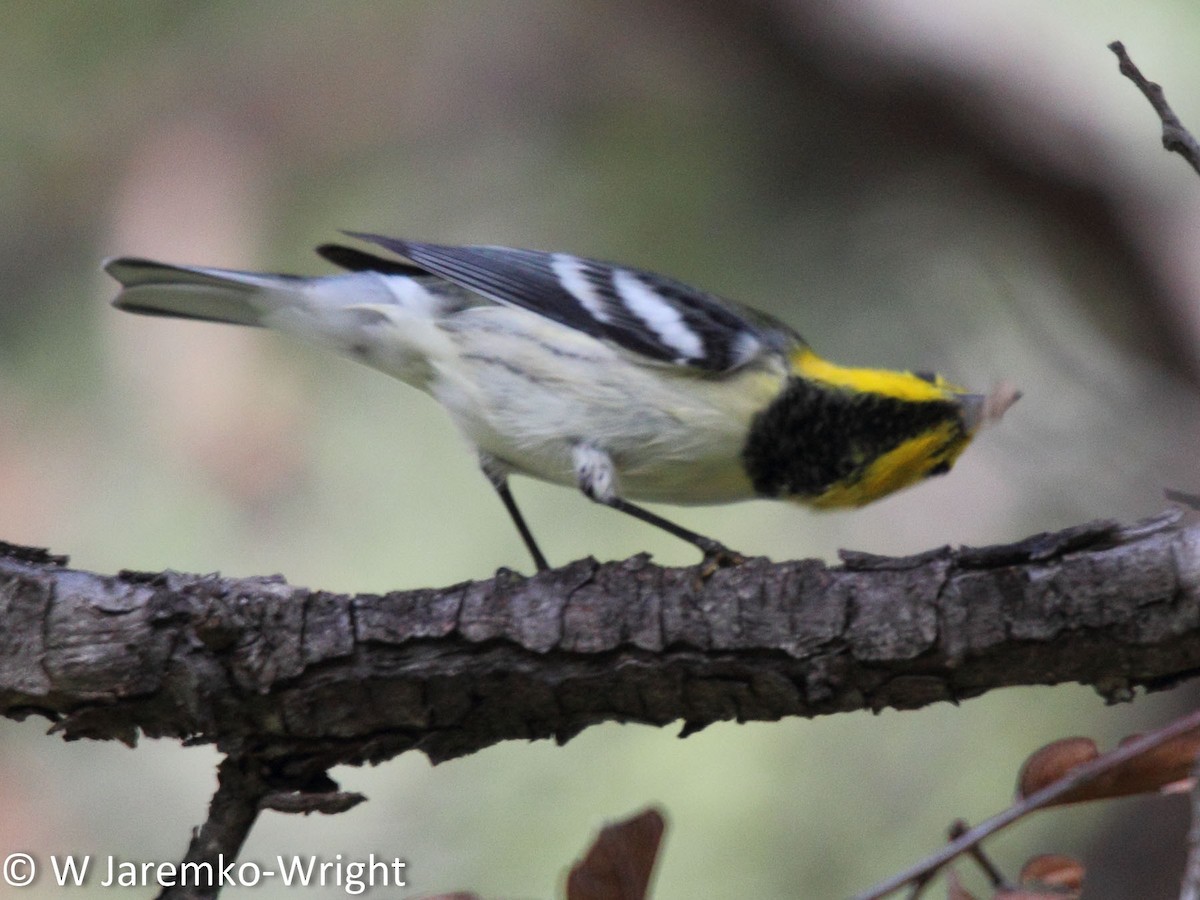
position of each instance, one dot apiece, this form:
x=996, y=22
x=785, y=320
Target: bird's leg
x=716, y=554
x=594, y=471
x=497, y=474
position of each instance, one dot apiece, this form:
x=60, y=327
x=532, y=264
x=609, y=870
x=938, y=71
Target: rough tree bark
x=289, y=681
x=305, y=679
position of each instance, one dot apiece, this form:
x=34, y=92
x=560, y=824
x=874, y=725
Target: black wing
x=657, y=317
x=359, y=261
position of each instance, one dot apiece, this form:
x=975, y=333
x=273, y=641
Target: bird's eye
x=940, y=469
x=931, y=377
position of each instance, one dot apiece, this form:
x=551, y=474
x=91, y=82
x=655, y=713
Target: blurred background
x=971, y=188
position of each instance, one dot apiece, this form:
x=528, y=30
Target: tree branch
x=215, y=845
x=300, y=680
x=1174, y=136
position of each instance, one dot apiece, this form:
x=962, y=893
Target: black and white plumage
x=617, y=381
x=649, y=314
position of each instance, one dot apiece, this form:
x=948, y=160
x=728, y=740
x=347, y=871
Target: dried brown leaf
x=1064, y=874
x=1155, y=770
x=620, y=862
x=1052, y=762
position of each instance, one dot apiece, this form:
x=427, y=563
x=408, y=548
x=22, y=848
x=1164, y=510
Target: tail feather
x=192, y=292
x=386, y=319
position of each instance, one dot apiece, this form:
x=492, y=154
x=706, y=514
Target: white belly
x=527, y=391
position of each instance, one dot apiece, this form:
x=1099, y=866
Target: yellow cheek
x=898, y=468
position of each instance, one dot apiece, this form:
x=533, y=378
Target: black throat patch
x=814, y=436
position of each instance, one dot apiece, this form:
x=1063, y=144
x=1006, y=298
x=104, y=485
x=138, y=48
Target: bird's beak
x=982, y=410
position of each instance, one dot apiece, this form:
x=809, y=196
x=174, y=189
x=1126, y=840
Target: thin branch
x=994, y=876
x=1174, y=137
x=1045, y=797
x=244, y=789
x=215, y=846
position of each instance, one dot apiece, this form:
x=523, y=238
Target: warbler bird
x=623, y=383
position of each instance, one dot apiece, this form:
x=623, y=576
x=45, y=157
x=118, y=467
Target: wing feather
x=657, y=317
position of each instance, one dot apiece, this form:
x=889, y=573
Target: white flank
x=658, y=314
x=569, y=270
x=412, y=295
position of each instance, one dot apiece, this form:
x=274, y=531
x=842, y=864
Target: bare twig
x=1174, y=137
x=215, y=846
x=994, y=876
x=306, y=802
x=1026, y=805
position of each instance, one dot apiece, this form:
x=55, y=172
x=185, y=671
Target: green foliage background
x=663, y=135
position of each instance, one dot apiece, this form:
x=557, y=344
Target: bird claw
x=718, y=556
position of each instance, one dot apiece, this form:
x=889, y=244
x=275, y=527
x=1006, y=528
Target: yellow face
x=930, y=453
x=939, y=420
